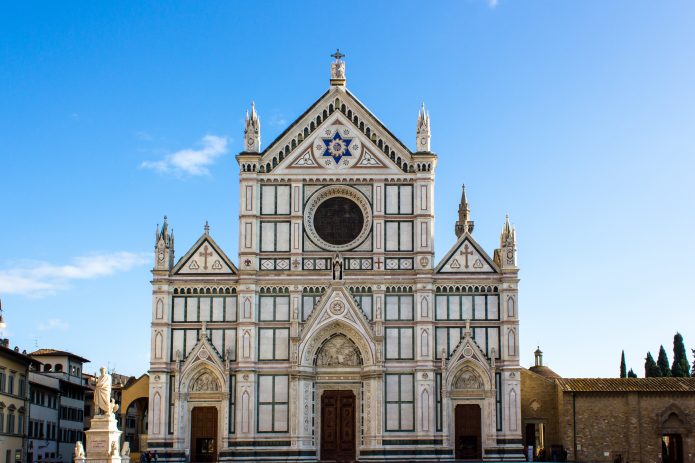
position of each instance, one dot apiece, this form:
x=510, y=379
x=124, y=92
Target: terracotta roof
x=544, y=371
x=41, y=352
x=627, y=384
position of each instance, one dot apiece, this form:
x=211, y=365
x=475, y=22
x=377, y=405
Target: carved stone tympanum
x=205, y=383
x=338, y=351
x=468, y=379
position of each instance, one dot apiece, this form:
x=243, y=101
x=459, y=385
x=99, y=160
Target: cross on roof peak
x=337, y=55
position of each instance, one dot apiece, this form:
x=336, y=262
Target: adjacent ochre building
x=14, y=371
x=607, y=419
x=336, y=335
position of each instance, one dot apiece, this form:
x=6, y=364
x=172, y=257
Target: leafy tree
x=623, y=368
x=631, y=374
x=651, y=370
x=662, y=362
x=680, y=367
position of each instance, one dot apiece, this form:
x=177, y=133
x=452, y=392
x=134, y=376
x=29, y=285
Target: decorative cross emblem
x=465, y=253
x=337, y=55
x=378, y=262
x=205, y=254
x=247, y=262
x=295, y=263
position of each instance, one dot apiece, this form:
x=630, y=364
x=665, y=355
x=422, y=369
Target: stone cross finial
x=338, y=69
x=207, y=228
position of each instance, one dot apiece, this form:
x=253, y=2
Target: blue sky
x=576, y=118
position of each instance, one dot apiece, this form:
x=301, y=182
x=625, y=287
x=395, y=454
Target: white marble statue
x=79, y=450
x=103, y=404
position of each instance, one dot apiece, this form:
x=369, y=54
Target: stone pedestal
x=103, y=442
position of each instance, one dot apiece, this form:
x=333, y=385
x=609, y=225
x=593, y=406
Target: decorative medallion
x=203, y=354
x=468, y=352
x=535, y=405
x=337, y=307
x=336, y=148
x=424, y=261
x=338, y=218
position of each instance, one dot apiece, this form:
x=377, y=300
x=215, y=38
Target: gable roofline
x=205, y=236
x=459, y=242
x=267, y=152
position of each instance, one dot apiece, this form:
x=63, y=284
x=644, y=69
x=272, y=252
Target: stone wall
x=540, y=404
x=621, y=423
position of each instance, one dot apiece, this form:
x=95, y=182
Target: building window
x=399, y=235
x=400, y=402
x=170, y=415
x=232, y=403
x=273, y=343
x=364, y=299
x=466, y=307
x=498, y=400
x=438, y=400
x=310, y=296
x=206, y=308
x=273, y=404
x=274, y=308
x=399, y=199
x=10, y=384
x=10, y=423
x=399, y=307
x=22, y=386
x=3, y=380
x=448, y=337
x=399, y=343
x=275, y=236
x=275, y=200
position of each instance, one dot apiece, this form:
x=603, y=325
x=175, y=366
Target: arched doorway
x=203, y=434
x=338, y=355
x=468, y=432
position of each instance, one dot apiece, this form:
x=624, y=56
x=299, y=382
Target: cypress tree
x=651, y=370
x=623, y=367
x=631, y=374
x=662, y=362
x=680, y=367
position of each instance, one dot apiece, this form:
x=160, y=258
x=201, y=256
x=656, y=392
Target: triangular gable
x=466, y=256
x=468, y=352
x=203, y=351
x=354, y=151
x=294, y=142
x=336, y=304
x=205, y=257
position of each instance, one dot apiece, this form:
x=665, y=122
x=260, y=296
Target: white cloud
x=492, y=3
x=39, y=279
x=191, y=161
x=54, y=324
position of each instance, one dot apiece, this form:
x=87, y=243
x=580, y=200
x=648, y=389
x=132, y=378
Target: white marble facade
x=336, y=289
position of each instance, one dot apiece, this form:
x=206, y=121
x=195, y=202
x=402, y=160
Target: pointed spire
x=422, y=133
x=338, y=69
x=508, y=235
x=252, y=131
x=206, y=228
x=464, y=223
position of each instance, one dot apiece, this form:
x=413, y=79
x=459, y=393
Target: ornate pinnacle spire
x=338, y=69
x=423, y=134
x=464, y=223
x=252, y=131
x=206, y=228
x=508, y=235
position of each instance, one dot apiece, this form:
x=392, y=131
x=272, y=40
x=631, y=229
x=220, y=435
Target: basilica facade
x=336, y=335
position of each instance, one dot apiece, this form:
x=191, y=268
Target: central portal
x=338, y=426
x=203, y=434
x=468, y=439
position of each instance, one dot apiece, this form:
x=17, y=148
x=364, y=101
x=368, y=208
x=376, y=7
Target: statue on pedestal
x=102, y=395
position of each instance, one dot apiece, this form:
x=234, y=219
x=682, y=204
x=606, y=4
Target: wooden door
x=338, y=426
x=203, y=434
x=468, y=432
